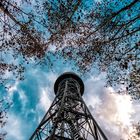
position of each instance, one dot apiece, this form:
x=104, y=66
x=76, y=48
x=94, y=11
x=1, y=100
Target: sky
x=32, y=97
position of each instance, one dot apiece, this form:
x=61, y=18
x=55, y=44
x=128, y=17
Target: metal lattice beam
x=68, y=118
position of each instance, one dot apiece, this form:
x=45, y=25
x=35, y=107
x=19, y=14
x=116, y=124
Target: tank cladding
x=69, y=75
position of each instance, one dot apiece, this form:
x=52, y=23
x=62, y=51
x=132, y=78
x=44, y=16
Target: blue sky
x=32, y=97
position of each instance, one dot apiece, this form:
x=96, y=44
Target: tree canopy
x=105, y=32
x=98, y=32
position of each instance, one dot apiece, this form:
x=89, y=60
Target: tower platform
x=68, y=75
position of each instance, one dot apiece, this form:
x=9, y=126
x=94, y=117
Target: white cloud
x=44, y=102
x=46, y=92
x=115, y=113
x=13, y=127
x=13, y=88
x=51, y=77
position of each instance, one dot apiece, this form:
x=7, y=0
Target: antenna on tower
x=68, y=118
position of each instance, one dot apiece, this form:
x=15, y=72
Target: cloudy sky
x=32, y=97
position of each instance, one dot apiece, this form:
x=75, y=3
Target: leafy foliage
x=136, y=132
x=4, y=106
x=105, y=33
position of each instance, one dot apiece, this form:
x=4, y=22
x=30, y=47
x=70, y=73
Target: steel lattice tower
x=68, y=118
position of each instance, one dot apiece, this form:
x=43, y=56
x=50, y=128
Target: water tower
x=68, y=117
